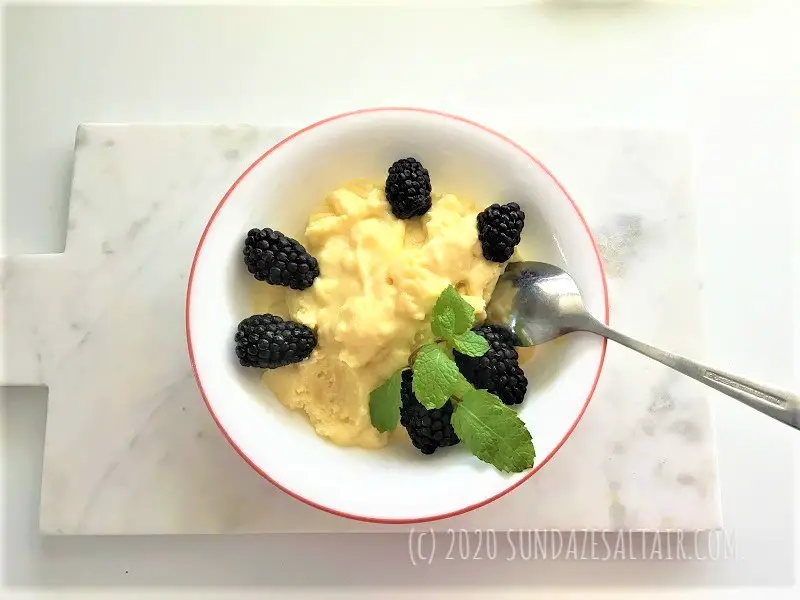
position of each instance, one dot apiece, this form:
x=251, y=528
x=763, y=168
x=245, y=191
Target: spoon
x=539, y=302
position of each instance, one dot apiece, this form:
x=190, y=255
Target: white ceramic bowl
x=279, y=190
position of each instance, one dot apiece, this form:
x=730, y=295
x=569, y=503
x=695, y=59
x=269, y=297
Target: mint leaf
x=384, y=404
x=462, y=386
x=470, y=343
x=493, y=432
x=443, y=322
x=436, y=376
x=463, y=312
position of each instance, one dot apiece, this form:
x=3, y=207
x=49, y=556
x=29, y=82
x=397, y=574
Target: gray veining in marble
x=130, y=448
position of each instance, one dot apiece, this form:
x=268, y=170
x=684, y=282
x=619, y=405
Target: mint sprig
x=470, y=343
x=436, y=376
x=384, y=404
x=492, y=431
x=463, y=312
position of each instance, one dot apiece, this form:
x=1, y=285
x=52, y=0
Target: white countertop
x=728, y=74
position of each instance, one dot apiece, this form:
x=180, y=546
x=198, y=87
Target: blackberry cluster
x=500, y=230
x=428, y=429
x=275, y=258
x=498, y=370
x=408, y=188
x=268, y=342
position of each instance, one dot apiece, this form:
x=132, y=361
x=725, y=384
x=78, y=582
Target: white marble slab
x=130, y=448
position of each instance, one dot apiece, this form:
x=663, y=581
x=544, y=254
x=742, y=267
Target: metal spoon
x=540, y=302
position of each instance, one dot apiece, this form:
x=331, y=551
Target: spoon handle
x=778, y=404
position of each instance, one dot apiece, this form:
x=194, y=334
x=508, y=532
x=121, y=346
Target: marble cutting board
x=131, y=449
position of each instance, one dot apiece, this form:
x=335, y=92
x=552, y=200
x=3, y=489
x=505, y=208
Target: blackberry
x=500, y=230
x=498, y=370
x=408, y=188
x=275, y=258
x=428, y=429
x=268, y=342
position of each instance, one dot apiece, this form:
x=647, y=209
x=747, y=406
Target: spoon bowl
x=537, y=301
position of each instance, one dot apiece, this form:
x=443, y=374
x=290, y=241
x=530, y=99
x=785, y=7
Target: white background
x=728, y=72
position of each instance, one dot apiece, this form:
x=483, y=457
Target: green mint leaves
x=384, y=404
x=436, y=377
x=451, y=314
x=488, y=428
x=470, y=343
x=493, y=432
x=452, y=321
x=443, y=322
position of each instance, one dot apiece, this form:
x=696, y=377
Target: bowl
x=396, y=484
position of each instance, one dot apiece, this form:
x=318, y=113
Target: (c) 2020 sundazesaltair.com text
x=427, y=545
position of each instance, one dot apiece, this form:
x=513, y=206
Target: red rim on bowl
x=361, y=517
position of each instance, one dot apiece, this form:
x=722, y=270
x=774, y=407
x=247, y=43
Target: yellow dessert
x=379, y=279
